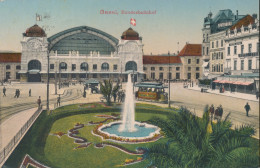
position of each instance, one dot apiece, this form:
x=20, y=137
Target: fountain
x=128, y=116
x=128, y=130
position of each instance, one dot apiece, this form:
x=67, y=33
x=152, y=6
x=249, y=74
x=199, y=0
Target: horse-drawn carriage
x=151, y=91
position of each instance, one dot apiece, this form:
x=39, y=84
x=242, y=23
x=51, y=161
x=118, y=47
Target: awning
x=237, y=83
x=216, y=81
x=246, y=83
x=230, y=82
x=205, y=64
x=222, y=81
x=242, y=83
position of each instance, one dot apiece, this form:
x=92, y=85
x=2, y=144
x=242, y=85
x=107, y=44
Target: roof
x=35, y=31
x=150, y=59
x=130, y=34
x=10, y=57
x=82, y=28
x=245, y=21
x=191, y=50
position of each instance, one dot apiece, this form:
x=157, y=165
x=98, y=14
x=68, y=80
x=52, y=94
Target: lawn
x=56, y=151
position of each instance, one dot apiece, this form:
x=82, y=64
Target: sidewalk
x=10, y=127
x=227, y=93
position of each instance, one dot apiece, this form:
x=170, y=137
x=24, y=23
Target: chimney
x=237, y=14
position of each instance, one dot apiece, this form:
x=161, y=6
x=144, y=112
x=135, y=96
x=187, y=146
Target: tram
x=151, y=91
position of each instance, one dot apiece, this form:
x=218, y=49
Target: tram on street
x=151, y=91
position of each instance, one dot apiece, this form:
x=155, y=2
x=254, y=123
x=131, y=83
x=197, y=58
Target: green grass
x=58, y=152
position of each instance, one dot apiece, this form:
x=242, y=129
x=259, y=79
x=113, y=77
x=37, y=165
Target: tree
x=196, y=142
x=108, y=90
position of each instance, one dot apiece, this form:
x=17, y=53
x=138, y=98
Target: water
x=128, y=114
x=139, y=131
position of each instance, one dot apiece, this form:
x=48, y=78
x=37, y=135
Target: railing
x=248, y=54
x=4, y=154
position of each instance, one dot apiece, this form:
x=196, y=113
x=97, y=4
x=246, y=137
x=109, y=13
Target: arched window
x=8, y=67
x=105, y=66
x=84, y=66
x=131, y=65
x=34, y=65
x=63, y=66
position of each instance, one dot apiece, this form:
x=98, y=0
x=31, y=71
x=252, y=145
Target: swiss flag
x=133, y=21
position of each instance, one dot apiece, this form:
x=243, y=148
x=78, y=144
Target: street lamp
x=48, y=77
x=169, y=94
x=56, y=77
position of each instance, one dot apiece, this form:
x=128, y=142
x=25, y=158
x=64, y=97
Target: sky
x=174, y=21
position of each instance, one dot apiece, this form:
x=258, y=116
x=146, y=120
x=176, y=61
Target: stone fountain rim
x=157, y=131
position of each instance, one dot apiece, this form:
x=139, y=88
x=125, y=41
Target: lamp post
x=56, y=78
x=48, y=77
x=169, y=83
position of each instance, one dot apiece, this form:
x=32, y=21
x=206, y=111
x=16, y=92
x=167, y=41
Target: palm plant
x=108, y=90
x=196, y=142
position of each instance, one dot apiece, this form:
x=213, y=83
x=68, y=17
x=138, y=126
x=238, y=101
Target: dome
x=35, y=31
x=130, y=34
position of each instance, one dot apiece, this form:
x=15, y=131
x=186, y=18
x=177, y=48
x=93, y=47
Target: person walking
x=220, y=112
x=118, y=96
x=84, y=94
x=247, y=107
x=30, y=92
x=211, y=110
x=58, y=101
x=39, y=102
x=16, y=93
x=4, y=91
x=114, y=96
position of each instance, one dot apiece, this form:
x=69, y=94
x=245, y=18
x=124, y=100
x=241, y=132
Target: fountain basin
x=144, y=132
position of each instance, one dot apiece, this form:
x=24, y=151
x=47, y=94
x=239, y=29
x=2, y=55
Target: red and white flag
x=133, y=21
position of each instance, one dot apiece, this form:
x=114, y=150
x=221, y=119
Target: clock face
x=131, y=47
x=34, y=44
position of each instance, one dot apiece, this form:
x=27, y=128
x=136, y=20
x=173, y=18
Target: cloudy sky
x=174, y=21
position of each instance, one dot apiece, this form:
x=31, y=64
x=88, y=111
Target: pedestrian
x=4, y=91
x=39, y=102
x=16, y=93
x=84, y=94
x=118, y=96
x=192, y=84
x=58, y=101
x=114, y=96
x=211, y=110
x=220, y=112
x=247, y=107
x=30, y=92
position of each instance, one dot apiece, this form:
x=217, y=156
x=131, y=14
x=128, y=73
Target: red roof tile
x=150, y=59
x=245, y=21
x=191, y=50
x=10, y=57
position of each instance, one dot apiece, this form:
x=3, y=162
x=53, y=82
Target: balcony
x=249, y=54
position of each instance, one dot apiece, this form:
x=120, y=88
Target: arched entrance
x=131, y=66
x=34, y=68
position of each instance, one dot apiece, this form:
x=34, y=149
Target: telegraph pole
x=169, y=83
x=48, y=78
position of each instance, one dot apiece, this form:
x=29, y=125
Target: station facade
x=80, y=53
